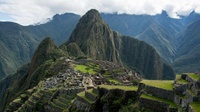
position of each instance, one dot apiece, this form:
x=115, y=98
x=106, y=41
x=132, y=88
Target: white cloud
x=32, y=11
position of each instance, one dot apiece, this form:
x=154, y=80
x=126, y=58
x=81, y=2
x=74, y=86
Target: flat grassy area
x=193, y=76
x=82, y=95
x=126, y=88
x=179, y=80
x=163, y=84
x=84, y=69
x=91, y=91
x=195, y=106
x=171, y=103
x=114, y=80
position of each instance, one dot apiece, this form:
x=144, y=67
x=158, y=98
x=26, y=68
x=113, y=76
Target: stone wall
x=90, y=96
x=80, y=105
x=154, y=105
x=179, y=89
x=95, y=90
x=158, y=92
x=178, y=100
x=71, y=91
x=173, y=109
x=197, y=91
x=51, y=108
x=190, y=109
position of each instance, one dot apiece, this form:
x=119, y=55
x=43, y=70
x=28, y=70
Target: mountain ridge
x=98, y=41
x=60, y=27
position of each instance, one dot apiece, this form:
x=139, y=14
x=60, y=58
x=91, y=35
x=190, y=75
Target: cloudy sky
x=28, y=12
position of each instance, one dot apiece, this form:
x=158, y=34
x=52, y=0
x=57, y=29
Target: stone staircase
x=85, y=100
x=30, y=98
x=17, y=103
x=88, y=96
x=61, y=100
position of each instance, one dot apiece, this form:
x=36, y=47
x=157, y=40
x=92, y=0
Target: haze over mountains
x=176, y=40
x=91, y=38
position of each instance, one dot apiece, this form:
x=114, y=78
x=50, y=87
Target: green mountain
x=159, y=31
x=43, y=65
x=17, y=46
x=18, y=43
x=97, y=41
x=188, y=52
x=47, y=63
x=40, y=82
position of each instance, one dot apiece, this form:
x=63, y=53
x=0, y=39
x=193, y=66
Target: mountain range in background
x=176, y=40
x=92, y=40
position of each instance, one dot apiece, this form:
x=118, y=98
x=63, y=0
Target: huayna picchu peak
x=97, y=41
x=98, y=70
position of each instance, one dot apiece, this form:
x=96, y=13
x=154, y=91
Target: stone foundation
x=158, y=92
x=154, y=105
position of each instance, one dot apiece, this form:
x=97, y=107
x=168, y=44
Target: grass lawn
x=195, y=106
x=163, y=84
x=171, y=103
x=193, y=76
x=114, y=80
x=126, y=88
x=82, y=95
x=91, y=91
x=84, y=69
x=179, y=80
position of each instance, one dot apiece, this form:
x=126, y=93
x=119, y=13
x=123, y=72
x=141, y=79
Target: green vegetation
x=195, y=106
x=84, y=69
x=114, y=80
x=126, y=88
x=18, y=100
x=191, y=92
x=180, y=80
x=171, y=103
x=163, y=84
x=82, y=95
x=193, y=76
x=91, y=91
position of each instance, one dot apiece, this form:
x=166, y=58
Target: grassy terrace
x=126, y=88
x=18, y=100
x=179, y=80
x=195, y=106
x=163, y=84
x=191, y=92
x=114, y=80
x=82, y=95
x=193, y=76
x=84, y=69
x=91, y=91
x=171, y=103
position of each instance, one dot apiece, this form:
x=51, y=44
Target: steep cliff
x=97, y=41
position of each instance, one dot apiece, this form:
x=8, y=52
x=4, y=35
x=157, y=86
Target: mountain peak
x=91, y=16
x=93, y=13
x=42, y=53
x=91, y=25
